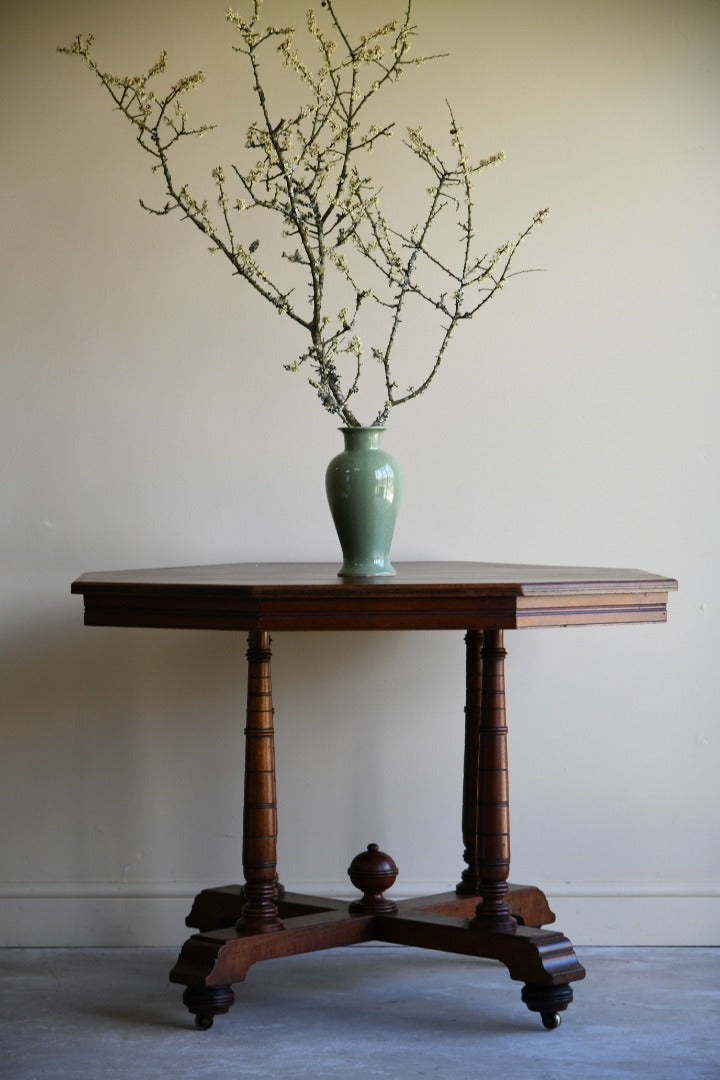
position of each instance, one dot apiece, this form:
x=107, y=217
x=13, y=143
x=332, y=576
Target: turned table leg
x=260, y=912
x=491, y=822
x=469, y=884
x=544, y=960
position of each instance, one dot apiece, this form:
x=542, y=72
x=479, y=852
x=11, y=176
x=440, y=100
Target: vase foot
x=366, y=572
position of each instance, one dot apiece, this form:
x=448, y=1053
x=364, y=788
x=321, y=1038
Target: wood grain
x=310, y=596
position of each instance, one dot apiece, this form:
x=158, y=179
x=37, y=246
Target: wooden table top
x=422, y=595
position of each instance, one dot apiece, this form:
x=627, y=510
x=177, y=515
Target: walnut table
x=484, y=916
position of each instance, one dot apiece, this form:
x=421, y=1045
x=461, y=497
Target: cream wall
x=147, y=421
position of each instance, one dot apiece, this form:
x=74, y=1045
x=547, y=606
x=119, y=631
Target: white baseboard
x=116, y=915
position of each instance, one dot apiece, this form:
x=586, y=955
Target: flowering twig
x=307, y=172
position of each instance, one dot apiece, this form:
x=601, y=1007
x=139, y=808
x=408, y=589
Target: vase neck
x=363, y=438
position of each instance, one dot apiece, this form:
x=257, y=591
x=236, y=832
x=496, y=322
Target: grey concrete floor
x=368, y=1011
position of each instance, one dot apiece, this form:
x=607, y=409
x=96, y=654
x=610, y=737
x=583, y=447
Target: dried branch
x=307, y=173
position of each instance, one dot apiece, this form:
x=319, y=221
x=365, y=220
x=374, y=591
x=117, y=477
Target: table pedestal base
x=221, y=954
x=485, y=917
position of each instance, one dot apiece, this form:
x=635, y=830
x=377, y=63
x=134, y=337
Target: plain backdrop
x=147, y=421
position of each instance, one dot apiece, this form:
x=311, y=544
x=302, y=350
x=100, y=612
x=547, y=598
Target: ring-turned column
x=470, y=882
x=493, y=807
x=260, y=913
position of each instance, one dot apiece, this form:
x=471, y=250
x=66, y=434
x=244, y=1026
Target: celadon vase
x=363, y=490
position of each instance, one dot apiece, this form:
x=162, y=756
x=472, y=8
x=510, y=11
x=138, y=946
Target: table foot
x=207, y=1002
x=540, y=958
x=549, y=1001
x=218, y=958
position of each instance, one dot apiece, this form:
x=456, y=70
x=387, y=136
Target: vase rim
x=362, y=427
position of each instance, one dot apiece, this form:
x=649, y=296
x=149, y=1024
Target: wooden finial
x=372, y=872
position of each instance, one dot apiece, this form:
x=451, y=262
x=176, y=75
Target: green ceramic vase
x=363, y=490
